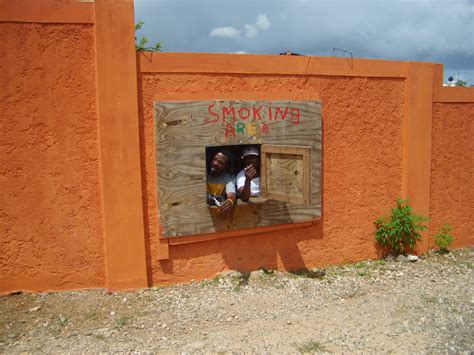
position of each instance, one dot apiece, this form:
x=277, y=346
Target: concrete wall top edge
x=47, y=11
x=443, y=94
x=154, y=62
x=453, y=95
x=264, y=64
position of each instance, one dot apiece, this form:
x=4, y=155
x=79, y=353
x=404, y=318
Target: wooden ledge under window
x=237, y=233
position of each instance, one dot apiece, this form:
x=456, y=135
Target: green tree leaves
x=140, y=44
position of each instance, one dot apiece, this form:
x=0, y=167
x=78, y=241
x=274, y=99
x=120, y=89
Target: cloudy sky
x=440, y=31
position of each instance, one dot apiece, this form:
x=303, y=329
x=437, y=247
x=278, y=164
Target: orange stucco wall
x=452, y=171
x=50, y=210
x=362, y=137
x=78, y=203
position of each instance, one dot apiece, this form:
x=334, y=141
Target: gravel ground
x=374, y=306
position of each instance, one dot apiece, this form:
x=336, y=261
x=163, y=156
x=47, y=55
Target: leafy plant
x=400, y=230
x=140, y=43
x=444, y=238
x=461, y=83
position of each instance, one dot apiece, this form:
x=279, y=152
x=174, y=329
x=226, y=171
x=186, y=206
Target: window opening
x=227, y=169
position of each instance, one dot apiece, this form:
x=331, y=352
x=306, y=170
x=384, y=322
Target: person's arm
x=245, y=191
x=228, y=205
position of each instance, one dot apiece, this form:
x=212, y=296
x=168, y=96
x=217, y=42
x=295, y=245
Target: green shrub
x=444, y=238
x=140, y=44
x=400, y=230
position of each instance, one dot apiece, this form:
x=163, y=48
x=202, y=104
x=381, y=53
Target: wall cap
x=47, y=11
x=213, y=63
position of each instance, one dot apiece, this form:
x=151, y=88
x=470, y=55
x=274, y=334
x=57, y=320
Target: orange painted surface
x=119, y=145
x=150, y=62
x=417, y=141
x=47, y=11
x=454, y=94
x=50, y=211
x=362, y=120
x=77, y=170
x=452, y=171
x=449, y=94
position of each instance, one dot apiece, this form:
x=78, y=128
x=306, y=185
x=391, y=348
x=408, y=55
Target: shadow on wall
x=271, y=251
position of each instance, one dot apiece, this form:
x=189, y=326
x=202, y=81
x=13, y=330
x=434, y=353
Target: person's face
x=252, y=160
x=219, y=164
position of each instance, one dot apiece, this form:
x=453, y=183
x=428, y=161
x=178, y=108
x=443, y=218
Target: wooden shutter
x=286, y=173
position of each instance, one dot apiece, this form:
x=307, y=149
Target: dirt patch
x=373, y=306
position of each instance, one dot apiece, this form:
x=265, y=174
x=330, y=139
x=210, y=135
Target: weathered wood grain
x=183, y=131
x=286, y=173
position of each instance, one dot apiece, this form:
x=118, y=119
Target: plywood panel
x=185, y=128
x=285, y=175
x=286, y=172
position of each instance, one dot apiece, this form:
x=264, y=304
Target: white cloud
x=241, y=52
x=263, y=22
x=251, y=31
x=224, y=32
x=424, y=30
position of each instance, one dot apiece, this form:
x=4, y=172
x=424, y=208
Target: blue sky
x=440, y=31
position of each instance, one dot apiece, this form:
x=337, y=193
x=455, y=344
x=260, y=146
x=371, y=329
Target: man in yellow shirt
x=221, y=183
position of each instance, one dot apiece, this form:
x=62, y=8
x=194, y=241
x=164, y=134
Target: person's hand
x=226, y=207
x=250, y=172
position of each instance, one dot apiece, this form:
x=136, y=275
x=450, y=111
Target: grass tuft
x=311, y=274
x=311, y=347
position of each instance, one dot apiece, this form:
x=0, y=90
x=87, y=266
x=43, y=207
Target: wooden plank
x=285, y=149
x=297, y=200
x=287, y=173
x=307, y=178
x=238, y=233
x=263, y=172
x=185, y=129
